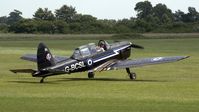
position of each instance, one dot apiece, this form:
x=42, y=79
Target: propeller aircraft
x=92, y=58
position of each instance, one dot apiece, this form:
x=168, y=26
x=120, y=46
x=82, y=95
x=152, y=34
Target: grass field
x=170, y=87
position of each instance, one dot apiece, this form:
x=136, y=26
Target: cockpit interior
x=90, y=49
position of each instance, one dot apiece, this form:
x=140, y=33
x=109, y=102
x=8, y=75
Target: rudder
x=44, y=57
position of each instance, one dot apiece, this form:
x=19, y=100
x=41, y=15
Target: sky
x=102, y=9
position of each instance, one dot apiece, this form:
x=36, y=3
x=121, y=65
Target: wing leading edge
x=143, y=62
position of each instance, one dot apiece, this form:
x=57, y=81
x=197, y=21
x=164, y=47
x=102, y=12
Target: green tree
x=192, y=15
x=44, y=14
x=84, y=18
x=142, y=26
x=61, y=27
x=179, y=16
x=144, y=9
x=66, y=13
x=162, y=12
x=24, y=26
x=107, y=26
x=46, y=27
x=3, y=20
x=166, y=19
x=85, y=24
x=14, y=17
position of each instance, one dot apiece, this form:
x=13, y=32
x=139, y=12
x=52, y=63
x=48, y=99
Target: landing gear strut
x=132, y=75
x=42, y=80
x=91, y=75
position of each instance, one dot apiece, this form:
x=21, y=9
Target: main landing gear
x=91, y=75
x=42, y=80
x=132, y=75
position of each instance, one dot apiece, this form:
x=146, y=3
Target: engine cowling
x=125, y=53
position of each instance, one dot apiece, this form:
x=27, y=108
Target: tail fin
x=44, y=57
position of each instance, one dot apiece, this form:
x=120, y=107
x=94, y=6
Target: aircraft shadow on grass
x=89, y=80
x=109, y=80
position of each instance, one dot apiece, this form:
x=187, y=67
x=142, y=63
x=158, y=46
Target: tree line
x=65, y=20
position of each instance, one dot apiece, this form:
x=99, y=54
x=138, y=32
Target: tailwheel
x=42, y=80
x=91, y=75
x=132, y=75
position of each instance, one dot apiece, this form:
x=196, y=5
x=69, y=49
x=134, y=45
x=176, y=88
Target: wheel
x=91, y=75
x=132, y=76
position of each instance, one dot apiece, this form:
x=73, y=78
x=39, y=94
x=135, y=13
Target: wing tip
x=184, y=57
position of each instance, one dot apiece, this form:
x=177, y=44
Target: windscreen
x=85, y=52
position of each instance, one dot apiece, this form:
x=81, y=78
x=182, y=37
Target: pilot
x=102, y=45
x=100, y=49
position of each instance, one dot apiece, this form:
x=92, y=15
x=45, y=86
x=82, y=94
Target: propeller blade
x=137, y=46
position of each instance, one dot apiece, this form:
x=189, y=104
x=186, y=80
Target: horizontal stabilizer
x=33, y=58
x=30, y=57
x=23, y=71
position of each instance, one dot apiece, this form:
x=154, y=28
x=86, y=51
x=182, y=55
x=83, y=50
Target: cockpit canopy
x=85, y=51
x=90, y=49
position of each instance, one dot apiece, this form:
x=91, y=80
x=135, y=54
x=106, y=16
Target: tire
x=91, y=75
x=132, y=76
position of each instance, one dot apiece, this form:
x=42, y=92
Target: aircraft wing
x=142, y=62
x=33, y=58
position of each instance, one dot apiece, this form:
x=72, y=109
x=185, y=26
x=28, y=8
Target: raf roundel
x=48, y=57
x=45, y=49
x=89, y=62
x=157, y=59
